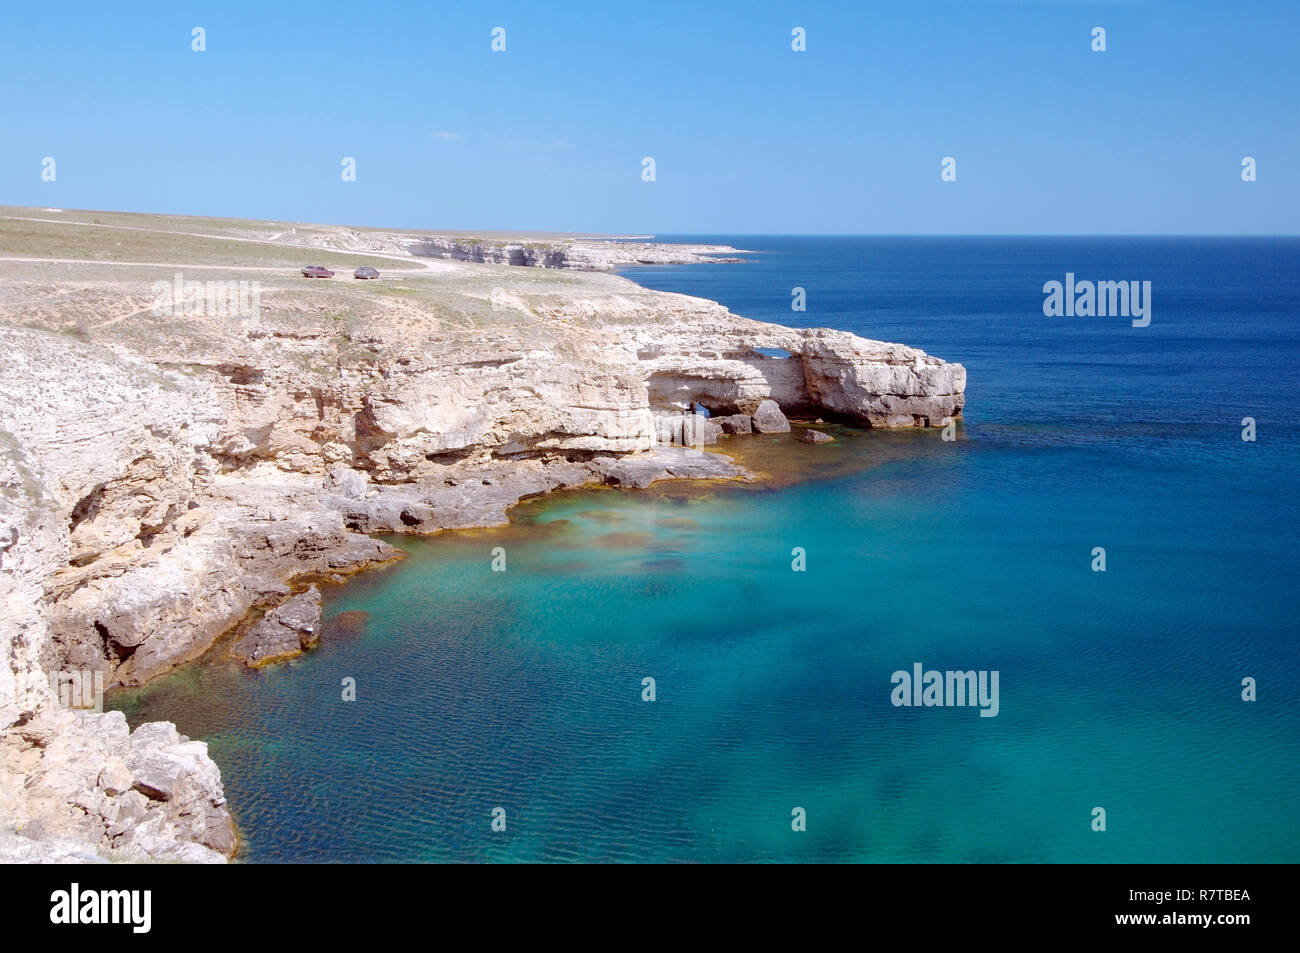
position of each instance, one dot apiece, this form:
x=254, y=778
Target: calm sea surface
x=1118, y=689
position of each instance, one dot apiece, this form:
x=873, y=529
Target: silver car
x=365, y=271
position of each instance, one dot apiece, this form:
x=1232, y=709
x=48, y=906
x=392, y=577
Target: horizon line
x=643, y=234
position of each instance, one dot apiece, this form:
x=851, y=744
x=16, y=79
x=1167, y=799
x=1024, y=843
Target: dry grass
x=138, y=243
x=103, y=289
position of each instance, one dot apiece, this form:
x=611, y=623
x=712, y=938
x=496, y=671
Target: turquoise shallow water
x=523, y=689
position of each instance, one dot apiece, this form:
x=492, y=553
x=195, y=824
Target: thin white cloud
x=445, y=135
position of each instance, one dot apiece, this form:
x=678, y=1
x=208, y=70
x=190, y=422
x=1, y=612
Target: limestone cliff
x=570, y=253
x=165, y=478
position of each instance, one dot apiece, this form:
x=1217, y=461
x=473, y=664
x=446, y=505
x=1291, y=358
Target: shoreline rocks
x=285, y=632
x=735, y=424
x=80, y=786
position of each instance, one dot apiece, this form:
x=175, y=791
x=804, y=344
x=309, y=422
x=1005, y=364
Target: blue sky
x=748, y=136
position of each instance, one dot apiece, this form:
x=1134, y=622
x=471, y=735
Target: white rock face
x=589, y=255
x=152, y=508
x=161, y=480
x=78, y=786
x=871, y=382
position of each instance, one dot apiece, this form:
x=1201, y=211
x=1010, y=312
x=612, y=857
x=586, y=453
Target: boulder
x=815, y=436
x=769, y=419
x=734, y=423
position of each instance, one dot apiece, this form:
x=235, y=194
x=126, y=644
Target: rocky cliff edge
x=164, y=478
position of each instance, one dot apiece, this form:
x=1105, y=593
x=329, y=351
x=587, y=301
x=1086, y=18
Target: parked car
x=365, y=271
x=317, y=271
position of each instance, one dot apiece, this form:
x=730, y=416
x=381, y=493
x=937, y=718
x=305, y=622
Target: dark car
x=317, y=271
x=365, y=271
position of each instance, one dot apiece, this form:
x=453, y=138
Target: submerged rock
x=815, y=436
x=671, y=463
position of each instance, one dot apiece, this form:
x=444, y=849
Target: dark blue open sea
x=1119, y=689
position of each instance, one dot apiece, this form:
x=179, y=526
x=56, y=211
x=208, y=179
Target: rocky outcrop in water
x=769, y=419
x=286, y=631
